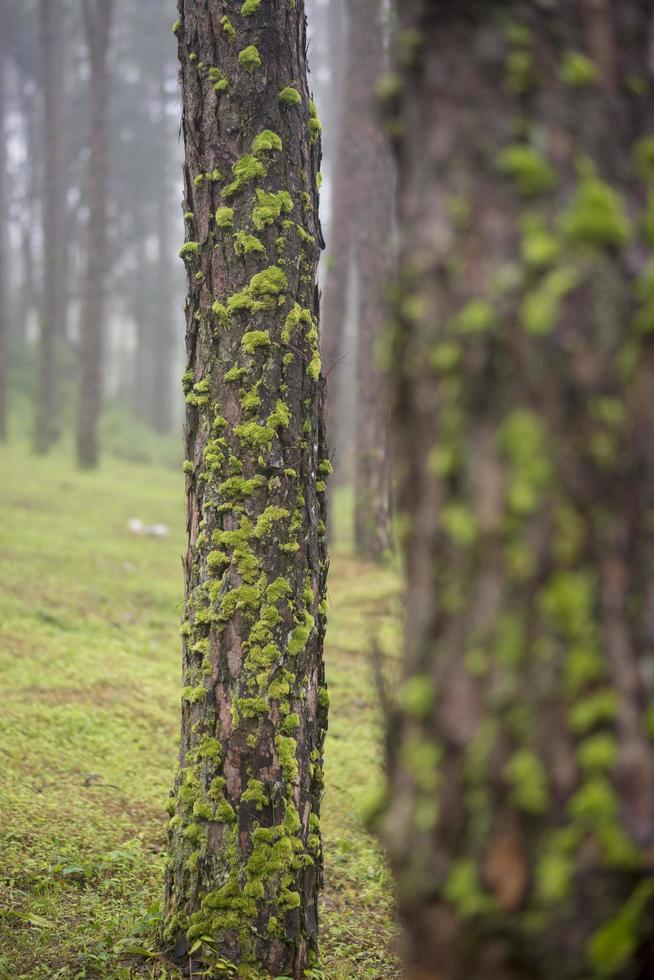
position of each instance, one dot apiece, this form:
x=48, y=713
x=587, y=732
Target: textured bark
x=97, y=23
x=4, y=229
x=52, y=24
x=245, y=851
x=521, y=767
x=372, y=482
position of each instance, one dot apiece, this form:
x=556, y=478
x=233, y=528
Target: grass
x=89, y=654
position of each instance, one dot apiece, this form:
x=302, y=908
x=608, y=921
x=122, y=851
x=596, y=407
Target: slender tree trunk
x=52, y=23
x=4, y=229
x=372, y=503
x=245, y=851
x=340, y=257
x=521, y=768
x=164, y=348
x=97, y=22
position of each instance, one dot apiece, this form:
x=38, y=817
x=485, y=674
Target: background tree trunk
x=340, y=256
x=521, y=767
x=245, y=849
x=97, y=22
x=4, y=227
x=373, y=230
x=53, y=26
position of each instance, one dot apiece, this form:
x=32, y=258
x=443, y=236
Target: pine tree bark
x=52, y=315
x=520, y=801
x=245, y=860
x=373, y=231
x=97, y=23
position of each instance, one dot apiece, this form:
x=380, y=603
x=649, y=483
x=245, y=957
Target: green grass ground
x=90, y=667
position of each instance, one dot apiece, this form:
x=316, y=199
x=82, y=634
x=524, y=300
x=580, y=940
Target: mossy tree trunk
x=97, y=24
x=245, y=860
x=373, y=230
x=521, y=766
x=52, y=314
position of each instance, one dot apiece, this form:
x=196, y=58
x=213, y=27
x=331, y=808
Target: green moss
x=463, y=889
x=291, y=723
x=577, y=70
x=598, y=753
x=299, y=637
x=314, y=367
x=520, y=76
x=225, y=217
x=269, y=282
x=598, y=708
x=643, y=156
x=250, y=7
x=596, y=215
x=244, y=171
x=475, y=317
x=459, y=524
x=528, y=168
x=541, y=307
x=177, y=26
x=249, y=58
x=526, y=776
x=270, y=207
x=417, y=695
x=228, y=28
x=189, y=248
x=194, y=694
x=266, y=142
x=255, y=793
x=187, y=466
x=254, y=339
x=245, y=244
x=612, y=946
x=225, y=813
x=315, y=125
x=539, y=247
x=286, y=748
x=290, y=96
x=267, y=520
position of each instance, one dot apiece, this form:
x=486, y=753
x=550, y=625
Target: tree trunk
x=97, y=23
x=165, y=307
x=340, y=257
x=52, y=326
x=521, y=769
x=245, y=851
x=4, y=228
x=372, y=484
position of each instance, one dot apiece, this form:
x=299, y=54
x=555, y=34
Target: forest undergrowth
x=90, y=661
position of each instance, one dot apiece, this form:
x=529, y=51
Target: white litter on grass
x=136, y=526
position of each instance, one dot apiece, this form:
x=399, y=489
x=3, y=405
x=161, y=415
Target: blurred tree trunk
x=340, y=256
x=245, y=852
x=372, y=480
x=4, y=226
x=165, y=312
x=97, y=24
x=52, y=327
x=520, y=810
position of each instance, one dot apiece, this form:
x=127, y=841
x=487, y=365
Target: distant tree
x=4, y=222
x=372, y=236
x=97, y=16
x=52, y=315
x=245, y=859
x=521, y=765
x=340, y=252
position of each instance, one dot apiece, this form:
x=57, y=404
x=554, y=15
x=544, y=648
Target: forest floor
x=90, y=667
